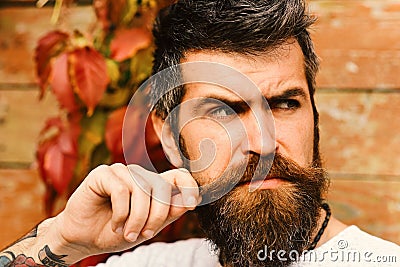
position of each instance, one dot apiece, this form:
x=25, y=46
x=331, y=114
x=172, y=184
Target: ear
x=164, y=133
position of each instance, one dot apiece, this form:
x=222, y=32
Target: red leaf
x=136, y=130
x=117, y=8
x=109, y=12
x=134, y=148
x=89, y=74
x=40, y=154
x=127, y=42
x=113, y=134
x=48, y=46
x=101, y=9
x=61, y=84
x=53, y=165
x=68, y=141
x=52, y=122
x=49, y=200
x=58, y=155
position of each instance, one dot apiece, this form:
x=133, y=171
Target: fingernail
x=191, y=202
x=148, y=233
x=119, y=230
x=131, y=237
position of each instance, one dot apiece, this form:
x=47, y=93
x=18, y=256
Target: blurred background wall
x=358, y=99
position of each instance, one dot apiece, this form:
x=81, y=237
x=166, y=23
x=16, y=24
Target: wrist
x=35, y=249
x=58, y=245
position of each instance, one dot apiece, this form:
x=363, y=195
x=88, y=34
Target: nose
x=260, y=128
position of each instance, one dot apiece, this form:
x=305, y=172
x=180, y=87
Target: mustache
x=260, y=168
x=277, y=166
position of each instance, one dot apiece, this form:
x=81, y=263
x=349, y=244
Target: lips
x=247, y=181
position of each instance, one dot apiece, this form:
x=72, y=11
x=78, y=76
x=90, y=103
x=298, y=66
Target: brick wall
x=358, y=98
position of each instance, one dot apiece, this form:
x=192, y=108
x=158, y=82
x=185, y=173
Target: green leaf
x=113, y=72
x=116, y=98
x=92, y=134
x=141, y=65
x=130, y=11
x=100, y=155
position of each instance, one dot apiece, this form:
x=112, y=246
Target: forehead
x=270, y=72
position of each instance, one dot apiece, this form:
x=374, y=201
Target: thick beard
x=240, y=224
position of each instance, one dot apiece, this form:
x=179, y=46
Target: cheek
x=295, y=139
x=209, y=149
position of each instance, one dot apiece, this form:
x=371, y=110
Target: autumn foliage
x=93, y=77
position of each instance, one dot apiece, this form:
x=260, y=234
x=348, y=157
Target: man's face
x=211, y=140
x=232, y=135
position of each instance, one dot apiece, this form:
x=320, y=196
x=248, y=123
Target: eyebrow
x=212, y=99
x=289, y=93
x=242, y=104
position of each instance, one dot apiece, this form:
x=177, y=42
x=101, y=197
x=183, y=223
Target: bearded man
x=235, y=113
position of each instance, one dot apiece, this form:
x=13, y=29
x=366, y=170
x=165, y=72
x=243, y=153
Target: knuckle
x=99, y=172
x=100, y=169
x=103, y=167
x=117, y=165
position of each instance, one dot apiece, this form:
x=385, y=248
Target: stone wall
x=358, y=98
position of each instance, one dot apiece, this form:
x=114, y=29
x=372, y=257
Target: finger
x=159, y=209
x=98, y=181
x=186, y=184
x=106, y=184
x=140, y=206
x=120, y=197
x=120, y=208
x=161, y=191
x=177, y=208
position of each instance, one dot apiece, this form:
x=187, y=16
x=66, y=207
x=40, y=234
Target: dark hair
x=247, y=27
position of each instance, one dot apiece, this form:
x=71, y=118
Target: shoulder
x=354, y=238
x=191, y=252
x=353, y=247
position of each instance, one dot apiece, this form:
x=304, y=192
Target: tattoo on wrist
x=20, y=261
x=4, y=261
x=46, y=257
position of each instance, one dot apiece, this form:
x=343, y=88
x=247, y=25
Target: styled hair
x=247, y=27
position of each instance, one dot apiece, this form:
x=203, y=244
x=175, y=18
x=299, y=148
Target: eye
x=286, y=104
x=223, y=112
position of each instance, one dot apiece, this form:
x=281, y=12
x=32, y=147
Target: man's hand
x=118, y=206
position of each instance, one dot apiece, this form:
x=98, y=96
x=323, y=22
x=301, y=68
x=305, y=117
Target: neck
x=333, y=228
